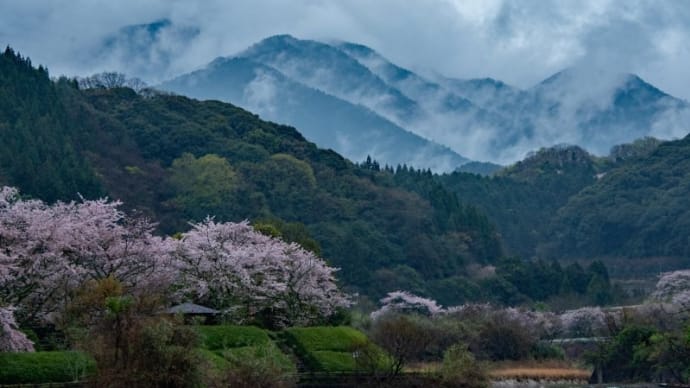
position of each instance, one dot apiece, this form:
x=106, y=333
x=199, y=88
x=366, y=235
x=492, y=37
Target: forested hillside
x=637, y=210
x=521, y=197
x=564, y=203
x=40, y=146
x=178, y=160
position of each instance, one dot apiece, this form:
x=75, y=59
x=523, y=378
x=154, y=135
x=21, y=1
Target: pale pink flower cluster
x=584, y=322
x=543, y=324
x=46, y=251
x=538, y=323
x=470, y=311
x=403, y=301
x=681, y=299
x=11, y=339
x=231, y=264
x=673, y=288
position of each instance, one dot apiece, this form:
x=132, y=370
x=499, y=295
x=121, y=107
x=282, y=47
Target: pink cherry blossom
x=673, y=288
x=46, y=251
x=584, y=322
x=232, y=266
x=11, y=339
x=403, y=301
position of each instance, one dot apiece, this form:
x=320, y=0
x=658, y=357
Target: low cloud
x=260, y=94
x=520, y=42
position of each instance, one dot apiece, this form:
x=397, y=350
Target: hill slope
x=637, y=210
x=349, y=129
x=178, y=159
x=483, y=119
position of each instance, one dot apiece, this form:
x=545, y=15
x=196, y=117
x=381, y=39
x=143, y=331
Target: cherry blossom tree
x=470, y=311
x=584, y=322
x=11, y=339
x=47, y=251
x=232, y=266
x=403, y=301
x=673, y=288
x=541, y=324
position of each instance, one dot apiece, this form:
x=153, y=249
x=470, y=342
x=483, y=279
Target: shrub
x=460, y=369
x=404, y=338
x=626, y=357
x=44, y=367
x=547, y=351
x=165, y=355
x=502, y=338
x=258, y=366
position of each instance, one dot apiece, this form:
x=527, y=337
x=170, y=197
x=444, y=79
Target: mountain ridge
x=483, y=119
x=351, y=129
x=178, y=160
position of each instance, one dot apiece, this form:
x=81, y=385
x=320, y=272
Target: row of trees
x=646, y=342
x=47, y=252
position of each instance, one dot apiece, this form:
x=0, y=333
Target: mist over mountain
x=148, y=51
x=176, y=160
x=559, y=202
x=338, y=192
x=348, y=97
x=285, y=94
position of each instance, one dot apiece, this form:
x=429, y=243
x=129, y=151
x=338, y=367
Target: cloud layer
x=520, y=42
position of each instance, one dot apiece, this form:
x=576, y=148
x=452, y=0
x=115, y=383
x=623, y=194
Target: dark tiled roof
x=190, y=308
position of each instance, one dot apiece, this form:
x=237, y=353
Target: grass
x=325, y=349
x=227, y=336
x=228, y=345
x=538, y=371
x=214, y=360
x=422, y=367
x=335, y=361
x=337, y=339
x=44, y=367
x=264, y=355
x=519, y=370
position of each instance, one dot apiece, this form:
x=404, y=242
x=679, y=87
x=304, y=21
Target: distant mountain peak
x=356, y=47
x=576, y=77
x=277, y=40
x=483, y=118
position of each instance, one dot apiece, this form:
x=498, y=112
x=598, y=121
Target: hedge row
x=228, y=336
x=44, y=367
x=238, y=344
x=325, y=349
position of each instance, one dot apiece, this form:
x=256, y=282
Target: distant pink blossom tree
x=11, y=339
x=232, y=266
x=46, y=251
x=584, y=322
x=405, y=302
x=541, y=324
x=470, y=311
x=673, y=288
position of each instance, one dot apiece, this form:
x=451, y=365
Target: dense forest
x=453, y=237
x=178, y=160
x=562, y=202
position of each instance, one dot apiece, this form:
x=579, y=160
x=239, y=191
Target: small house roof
x=191, y=308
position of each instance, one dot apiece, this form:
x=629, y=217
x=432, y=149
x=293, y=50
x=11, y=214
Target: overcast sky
x=519, y=42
